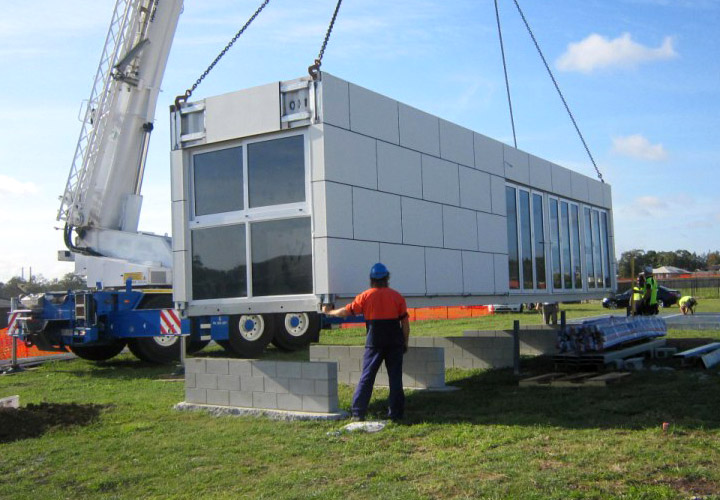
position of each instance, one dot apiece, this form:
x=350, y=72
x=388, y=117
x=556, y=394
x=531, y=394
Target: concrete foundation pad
x=219, y=411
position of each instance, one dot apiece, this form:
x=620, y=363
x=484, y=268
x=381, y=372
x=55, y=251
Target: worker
x=635, y=306
x=687, y=304
x=388, y=331
x=650, y=302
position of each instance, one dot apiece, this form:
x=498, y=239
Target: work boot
x=357, y=418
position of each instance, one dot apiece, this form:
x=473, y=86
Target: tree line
x=634, y=261
x=17, y=285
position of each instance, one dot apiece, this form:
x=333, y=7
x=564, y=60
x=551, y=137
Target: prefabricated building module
x=291, y=191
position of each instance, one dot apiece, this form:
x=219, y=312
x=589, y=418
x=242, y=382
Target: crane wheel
x=98, y=352
x=250, y=334
x=294, y=331
x=158, y=350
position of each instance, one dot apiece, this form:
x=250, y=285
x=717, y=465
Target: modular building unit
x=288, y=192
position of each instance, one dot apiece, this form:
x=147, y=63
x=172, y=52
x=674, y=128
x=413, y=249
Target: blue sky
x=641, y=76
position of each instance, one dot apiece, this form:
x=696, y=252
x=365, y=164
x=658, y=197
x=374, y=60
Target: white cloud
x=8, y=185
x=637, y=146
x=598, y=52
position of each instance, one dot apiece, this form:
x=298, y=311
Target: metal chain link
x=314, y=69
x=184, y=97
x=557, y=87
x=507, y=81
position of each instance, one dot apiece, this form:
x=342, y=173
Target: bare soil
x=34, y=420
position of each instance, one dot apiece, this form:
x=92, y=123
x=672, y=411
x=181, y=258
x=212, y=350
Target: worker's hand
x=327, y=308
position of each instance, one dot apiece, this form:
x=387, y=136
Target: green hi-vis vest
x=637, y=294
x=653, y=290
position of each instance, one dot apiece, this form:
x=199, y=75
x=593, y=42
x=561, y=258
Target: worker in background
x=687, y=304
x=388, y=331
x=651, y=291
x=635, y=306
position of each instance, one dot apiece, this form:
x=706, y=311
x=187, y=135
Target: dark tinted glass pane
x=589, y=267
x=565, y=237
x=513, y=263
x=596, y=249
x=526, y=240
x=276, y=172
x=539, y=241
x=218, y=181
x=555, y=243
x=281, y=257
x=218, y=262
x=606, y=252
x=575, y=235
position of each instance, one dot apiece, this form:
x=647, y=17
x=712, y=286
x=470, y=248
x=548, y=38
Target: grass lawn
x=489, y=440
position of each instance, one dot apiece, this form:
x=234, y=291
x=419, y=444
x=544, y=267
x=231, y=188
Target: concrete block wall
x=534, y=341
x=423, y=367
x=471, y=352
x=389, y=174
x=273, y=385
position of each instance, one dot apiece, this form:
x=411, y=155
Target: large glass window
x=597, y=258
x=276, y=172
x=526, y=240
x=565, y=243
x=218, y=181
x=539, y=241
x=575, y=236
x=605, y=249
x=281, y=257
x=589, y=265
x=218, y=262
x=555, y=243
x=513, y=262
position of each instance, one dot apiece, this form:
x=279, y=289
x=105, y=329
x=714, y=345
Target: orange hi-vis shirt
x=379, y=303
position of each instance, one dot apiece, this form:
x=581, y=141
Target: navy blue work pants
x=373, y=358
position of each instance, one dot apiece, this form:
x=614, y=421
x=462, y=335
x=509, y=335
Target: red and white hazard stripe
x=14, y=324
x=169, y=322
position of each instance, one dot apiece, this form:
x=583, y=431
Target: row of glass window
x=578, y=243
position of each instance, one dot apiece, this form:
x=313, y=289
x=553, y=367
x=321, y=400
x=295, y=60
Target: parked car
x=497, y=308
x=666, y=297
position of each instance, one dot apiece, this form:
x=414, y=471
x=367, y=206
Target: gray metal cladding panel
x=376, y=216
x=595, y=193
x=540, y=174
x=242, y=114
x=517, y=165
x=441, y=181
x=489, y=156
x=607, y=196
x=419, y=130
x=348, y=264
x=399, y=170
x=373, y=114
x=502, y=274
x=422, y=223
x=478, y=273
x=443, y=270
x=492, y=233
x=332, y=210
x=497, y=195
x=460, y=228
x=335, y=101
x=407, y=267
x=580, y=190
x=562, y=181
x=349, y=158
x=456, y=144
x=475, y=189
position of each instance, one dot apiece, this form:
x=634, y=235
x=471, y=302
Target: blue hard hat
x=379, y=271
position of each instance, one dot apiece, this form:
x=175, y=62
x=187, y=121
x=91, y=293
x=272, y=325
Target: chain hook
x=314, y=69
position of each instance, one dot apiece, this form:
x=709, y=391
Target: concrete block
x=435, y=367
x=419, y=130
x=290, y=402
x=344, y=378
x=497, y=195
x=443, y=271
x=369, y=207
x=217, y=366
x=502, y=274
x=264, y=400
x=338, y=351
x=206, y=381
x=562, y=181
x=190, y=380
x=349, y=158
x=540, y=174
x=326, y=387
x=264, y=368
x=479, y=364
x=373, y=114
x=463, y=363
x=399, y=170
x=320, y=370
x=460, y=229
x=196, y=395
x=441, y=181
x=302, y=386
x=407, y=264
x=218, y=397
x=419, y=342
x=317, y=353
x=229, y=382
x=240, y=367
x=241, y=399
x=382, y=379
x=517, y=165
x=356, y=352
x=331, y=211
x=335, y=101
x=475, y=189
x=252, y=384
x=349, y=365
x=456, y=144
x=492, y=233
x=277, y=385
x=319, y=404
x=422, y=223
x=579, y=185
x=292, y=369
x=195, y=365
x=354, y=378
x=489, y=155
x=478, y=273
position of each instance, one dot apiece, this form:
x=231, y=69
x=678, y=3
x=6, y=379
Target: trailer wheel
x=293, y=331
x=98, y=352
x=250, y=334
x=194, y=346
x=163, y=349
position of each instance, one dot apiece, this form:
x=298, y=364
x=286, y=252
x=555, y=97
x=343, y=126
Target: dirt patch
x=690, y=486
x=687, y=344
x=34, y=420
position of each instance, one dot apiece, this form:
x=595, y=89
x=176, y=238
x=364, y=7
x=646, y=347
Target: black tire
x=294, y=331
x=193, y=346
x=159, y=350
x=98, y=352
x=250, y=334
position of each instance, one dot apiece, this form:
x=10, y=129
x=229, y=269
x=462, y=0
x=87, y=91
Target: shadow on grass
x=34, y=420
x=686, y=398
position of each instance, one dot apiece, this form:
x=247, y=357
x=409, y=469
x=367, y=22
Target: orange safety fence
x=438, y=313
x=23, y=351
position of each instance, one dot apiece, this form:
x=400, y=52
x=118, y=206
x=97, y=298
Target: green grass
x=489, y=440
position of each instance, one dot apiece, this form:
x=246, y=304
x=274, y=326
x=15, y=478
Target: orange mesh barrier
x=436, y=313
x=23, y=351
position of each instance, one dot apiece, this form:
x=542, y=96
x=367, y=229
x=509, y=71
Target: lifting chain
x=314, y=69
x=184, y=97
x=557, y=87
